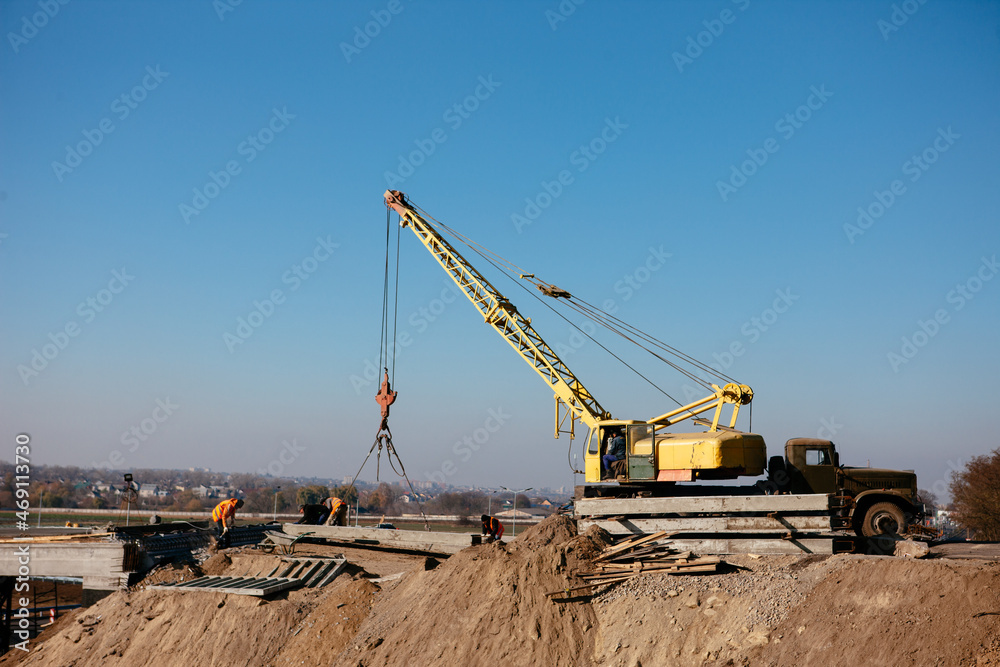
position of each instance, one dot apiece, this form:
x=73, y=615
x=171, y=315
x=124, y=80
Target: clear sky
x=815, y=184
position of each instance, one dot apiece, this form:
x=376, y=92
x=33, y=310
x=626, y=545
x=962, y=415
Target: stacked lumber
x=638, y=555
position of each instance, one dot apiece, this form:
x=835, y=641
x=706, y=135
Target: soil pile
x=173, y=628
x=888, y=611
x=323, y=634
x=485, y=606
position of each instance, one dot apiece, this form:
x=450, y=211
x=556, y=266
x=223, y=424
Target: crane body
x=654, y=457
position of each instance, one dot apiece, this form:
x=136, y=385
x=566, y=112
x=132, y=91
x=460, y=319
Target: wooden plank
x=631, y=544
x=814, y=502
x=714, y=524
x=53, y=538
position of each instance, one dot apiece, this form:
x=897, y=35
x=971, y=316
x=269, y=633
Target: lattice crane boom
x=503, y=316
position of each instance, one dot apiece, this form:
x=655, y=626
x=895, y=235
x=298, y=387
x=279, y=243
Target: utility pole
x=274, y=513
x=513, y=528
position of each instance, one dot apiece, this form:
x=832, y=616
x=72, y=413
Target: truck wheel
x=883, y=519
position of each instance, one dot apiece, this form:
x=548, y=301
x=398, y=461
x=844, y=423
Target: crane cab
x=653, y=455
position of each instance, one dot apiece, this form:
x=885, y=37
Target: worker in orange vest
x=492, y=527
x=224, y=516
x=338, y=511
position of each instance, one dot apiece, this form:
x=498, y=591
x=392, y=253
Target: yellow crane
x=653, y=456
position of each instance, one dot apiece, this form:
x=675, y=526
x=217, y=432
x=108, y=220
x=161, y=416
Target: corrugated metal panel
x=307, y=572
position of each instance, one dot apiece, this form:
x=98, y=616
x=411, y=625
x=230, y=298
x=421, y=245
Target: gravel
x=772, y=585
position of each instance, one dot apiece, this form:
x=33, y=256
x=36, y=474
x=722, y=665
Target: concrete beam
x=817, y=502
x=63, y=559
x=413, y=540
x=712, y=524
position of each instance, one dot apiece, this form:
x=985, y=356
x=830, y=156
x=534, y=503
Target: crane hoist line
x=654, y=458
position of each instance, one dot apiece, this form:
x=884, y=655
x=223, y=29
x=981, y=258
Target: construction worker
x=338, y=511
x=312, y=515
x=616, y=452
x=492, y=527
x=224, y=516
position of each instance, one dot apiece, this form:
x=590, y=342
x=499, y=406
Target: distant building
x=510, y=514
x=148, y=491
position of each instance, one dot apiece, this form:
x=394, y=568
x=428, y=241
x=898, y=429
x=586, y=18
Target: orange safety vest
x=334, y=504
x=227, y=508
x=492, y=525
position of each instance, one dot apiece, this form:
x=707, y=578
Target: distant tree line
x=72, y=487
x=975, y=497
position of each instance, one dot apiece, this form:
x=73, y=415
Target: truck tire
x=883, y=519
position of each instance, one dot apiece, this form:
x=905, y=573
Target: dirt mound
x=217, y=564
x=172, y=573
x=168, y=628
x=323, y=634
x=484, y=606
x=892, y=611
x=487, y=606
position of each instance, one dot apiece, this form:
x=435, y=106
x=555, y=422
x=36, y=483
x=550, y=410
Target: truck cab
x=874, y=500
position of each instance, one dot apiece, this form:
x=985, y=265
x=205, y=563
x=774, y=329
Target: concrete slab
x=711, y=524
x=815, y=502
x=412, y=540
x=62, y=559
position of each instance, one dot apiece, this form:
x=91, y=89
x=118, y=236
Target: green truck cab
x=872, y=501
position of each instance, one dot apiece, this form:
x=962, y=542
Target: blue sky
x=175, y=162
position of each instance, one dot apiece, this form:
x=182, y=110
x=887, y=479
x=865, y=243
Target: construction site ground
x=487, y=605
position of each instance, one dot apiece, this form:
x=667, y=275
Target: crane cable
x=605, y=320
x=387, y=360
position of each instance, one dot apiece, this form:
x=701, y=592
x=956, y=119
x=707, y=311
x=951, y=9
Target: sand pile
x=485, y=606
x=889, y=611
x=172, y=628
